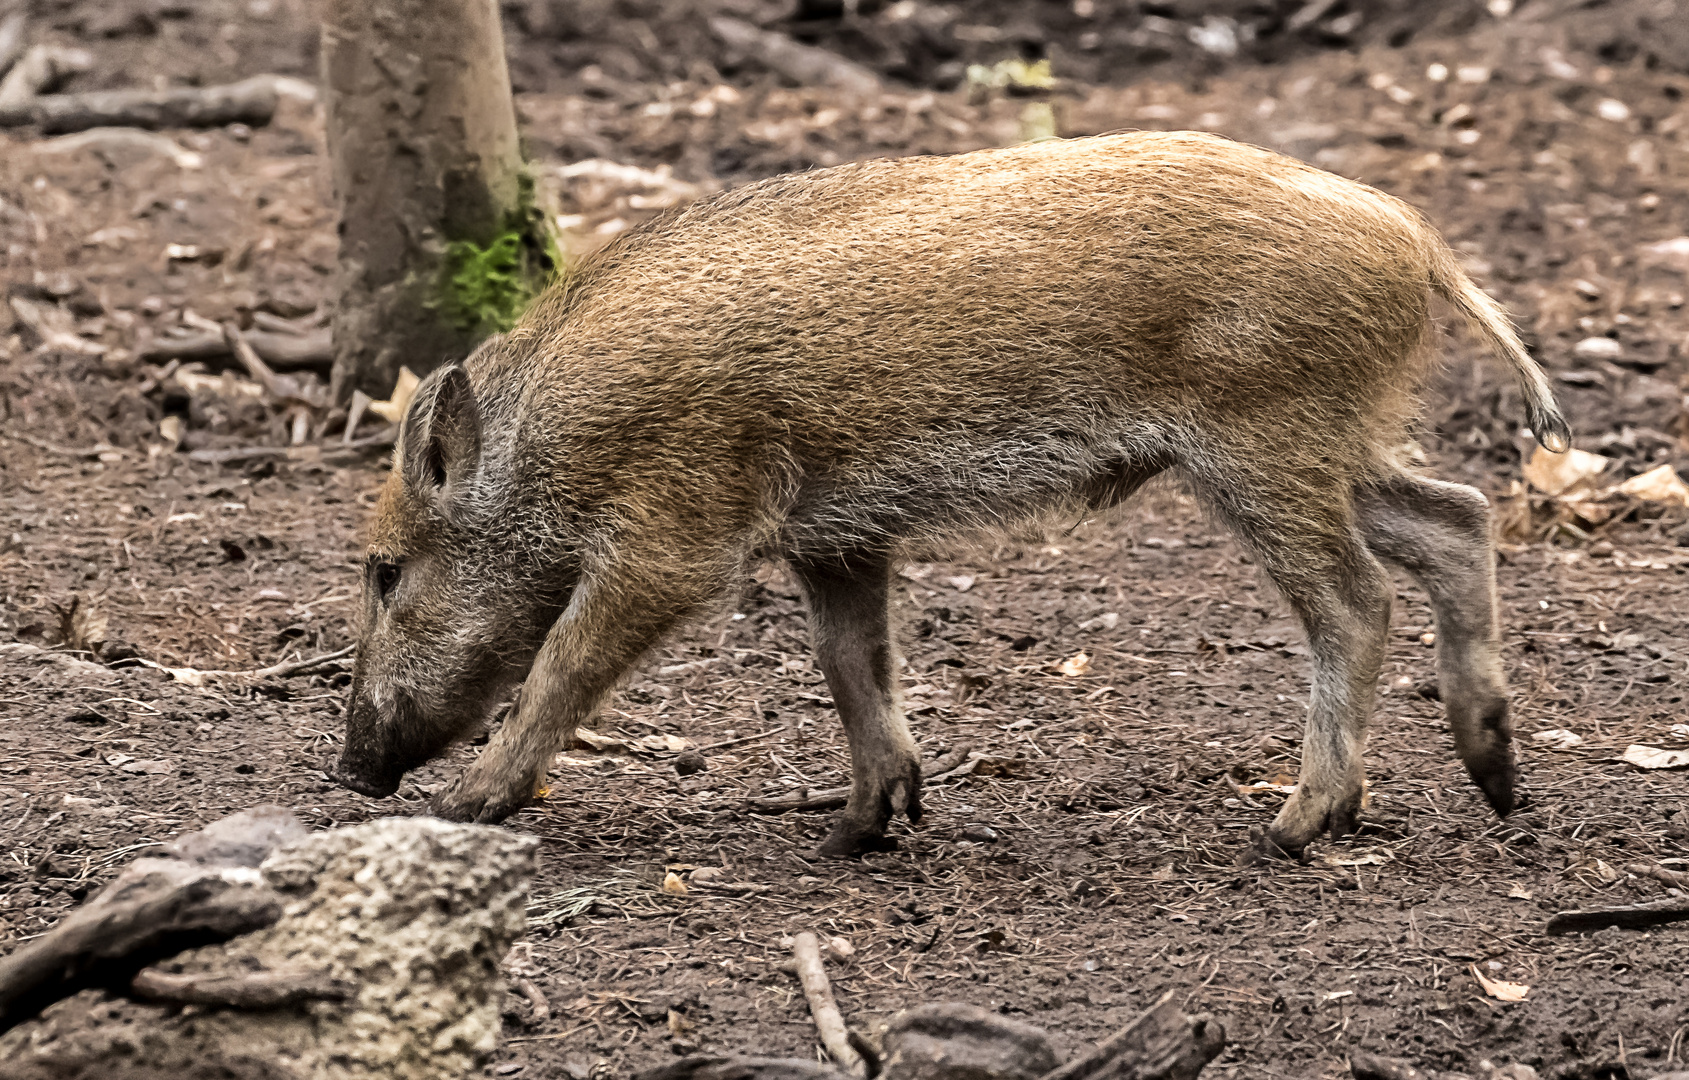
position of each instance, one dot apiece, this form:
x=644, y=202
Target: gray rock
x=412, y=915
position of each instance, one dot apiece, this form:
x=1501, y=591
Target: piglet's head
x=446, y=626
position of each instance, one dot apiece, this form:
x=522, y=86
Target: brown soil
x=1092, y=864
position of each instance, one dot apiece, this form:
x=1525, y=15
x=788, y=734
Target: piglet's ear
x=440, y=440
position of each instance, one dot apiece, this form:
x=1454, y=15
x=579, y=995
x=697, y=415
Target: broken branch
x=250, y=101
x=806, y=951
x=803, y=64
x=1161, y=1044
x=278, y=349
x=1629, y=917
x=334, y=451
x=196, y=677
x=1675, y=878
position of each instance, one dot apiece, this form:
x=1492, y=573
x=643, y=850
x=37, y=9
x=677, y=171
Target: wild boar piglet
x=848, y=367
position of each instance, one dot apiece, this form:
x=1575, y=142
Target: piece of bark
x=803, y=64
x=1629, y=917
x=948, y=1041
x=157, y=907
x=283, y=351
x=250, y=101
x=717, y=1067
x=42, y=68
x=806, y=951
x=833, y=798
x=1161, y=1044
x=240, y=990
x=1675, y=878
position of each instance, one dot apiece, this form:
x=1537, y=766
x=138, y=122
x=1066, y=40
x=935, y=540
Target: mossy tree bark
x=428, y=173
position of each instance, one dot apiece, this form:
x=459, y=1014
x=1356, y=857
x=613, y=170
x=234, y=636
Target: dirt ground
x=1090, y=862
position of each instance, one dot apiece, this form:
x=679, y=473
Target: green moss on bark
x=486, y=287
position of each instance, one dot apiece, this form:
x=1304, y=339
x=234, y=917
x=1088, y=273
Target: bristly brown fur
x=841, y=366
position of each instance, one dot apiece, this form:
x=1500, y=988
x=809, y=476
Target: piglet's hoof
x=846, y=843
x=1264, y=849
x=468, y=801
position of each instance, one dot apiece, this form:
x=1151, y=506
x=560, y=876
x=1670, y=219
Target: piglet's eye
x=386, y=577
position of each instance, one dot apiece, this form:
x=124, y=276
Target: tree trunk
x=439, y=243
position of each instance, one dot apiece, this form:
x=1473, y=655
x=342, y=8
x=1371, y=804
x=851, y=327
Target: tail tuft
x=1486, y=317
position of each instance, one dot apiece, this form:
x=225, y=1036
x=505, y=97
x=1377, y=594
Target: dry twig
x=833, y=798
x=196, y=677
x=1675, y=878
x=806, y=951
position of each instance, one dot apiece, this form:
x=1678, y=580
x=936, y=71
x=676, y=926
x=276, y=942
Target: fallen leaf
x=118, y=759
x=1375, y=857
x=1651, y=757
x=1283, y=783
x=1557, y=474
x=649, y=744
x=1501, y=991
x=1657, y=485
x=393, y=409
x=1519, y=892
x=1076, y=665
x=1605, y=873
x=1559, y=738
x=154, y=767
x=599, y=742
x=840, y=949
x=673, y=884
x=961, y=582
x=82, y=626
x=678, y=1024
